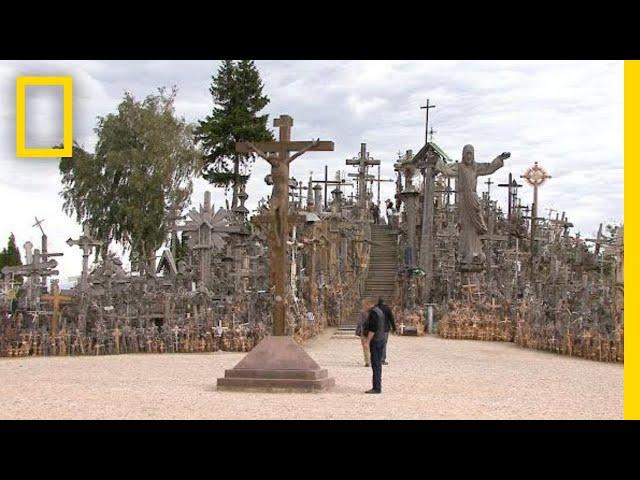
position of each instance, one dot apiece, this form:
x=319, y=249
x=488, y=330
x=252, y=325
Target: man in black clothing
x=374, y=330
x=390, y=324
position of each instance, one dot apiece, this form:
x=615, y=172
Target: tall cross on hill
x=426, y=126
x=363, y=162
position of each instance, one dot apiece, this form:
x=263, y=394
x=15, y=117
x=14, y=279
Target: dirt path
x=427, y=378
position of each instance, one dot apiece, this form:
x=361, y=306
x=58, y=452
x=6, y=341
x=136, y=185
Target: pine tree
x=10, y=255
x=4, y=258
x=13, y=252
x=237, y=97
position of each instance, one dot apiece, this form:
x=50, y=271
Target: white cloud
x=567, y=115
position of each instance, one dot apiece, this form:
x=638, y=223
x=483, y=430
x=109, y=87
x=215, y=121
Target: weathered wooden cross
x=327, y=182
x=363, y=162
x=512, y=187
x=379, y=180
x=86, y=242
x=56, y=299
x=278, y=156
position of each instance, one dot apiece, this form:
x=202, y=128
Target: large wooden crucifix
x=278, y=156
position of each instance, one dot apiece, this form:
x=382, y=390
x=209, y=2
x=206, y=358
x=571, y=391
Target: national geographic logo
x=21, y=149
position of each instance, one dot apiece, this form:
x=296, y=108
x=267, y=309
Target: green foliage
x=144, y=160
x=224, y=179
x=181, y=248
x=10, y=255
x=237, y=96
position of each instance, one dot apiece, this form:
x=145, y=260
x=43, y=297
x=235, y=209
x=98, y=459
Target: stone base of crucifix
x=277, y=364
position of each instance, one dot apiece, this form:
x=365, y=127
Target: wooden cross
x=431, y=132
x=364, y=161
x=512, y=186
x=86, y=242
x=328, y=182
x=471, y=289
x=39, y=224
x=379, y=180
x=447, y=191
x=56, y=298
x=367, y=178
x=488, y=183
x=278, y=156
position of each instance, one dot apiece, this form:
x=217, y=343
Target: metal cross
x=426, y=127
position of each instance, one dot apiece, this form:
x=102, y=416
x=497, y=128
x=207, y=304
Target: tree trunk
x=236, y=174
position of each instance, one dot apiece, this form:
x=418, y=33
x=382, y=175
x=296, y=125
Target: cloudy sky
x=566, y=115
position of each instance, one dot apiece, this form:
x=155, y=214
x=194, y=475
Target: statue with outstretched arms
x=471, y=221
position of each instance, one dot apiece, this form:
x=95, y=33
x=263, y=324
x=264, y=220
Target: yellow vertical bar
x=20, y=116
x=631, y=199
x=68, y=117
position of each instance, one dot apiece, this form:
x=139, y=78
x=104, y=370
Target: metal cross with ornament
x=535, y=176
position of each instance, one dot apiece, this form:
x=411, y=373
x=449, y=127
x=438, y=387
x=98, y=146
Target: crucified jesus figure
x=280, y=179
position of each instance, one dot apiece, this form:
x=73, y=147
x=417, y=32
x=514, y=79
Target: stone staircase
x=381, y=277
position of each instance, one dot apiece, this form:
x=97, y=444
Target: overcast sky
x=566, y=115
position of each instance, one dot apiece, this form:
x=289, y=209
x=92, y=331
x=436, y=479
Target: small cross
x=38, y=224
x=488, y=183
x=431, y=132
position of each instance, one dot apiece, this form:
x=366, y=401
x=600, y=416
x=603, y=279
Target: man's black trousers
x=377, y=349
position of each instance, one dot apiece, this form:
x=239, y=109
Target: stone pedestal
x=277, y=364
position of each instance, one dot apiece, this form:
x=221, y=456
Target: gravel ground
x=427, y=378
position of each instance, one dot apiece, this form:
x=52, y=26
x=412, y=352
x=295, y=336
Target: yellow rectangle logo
x=21, y=147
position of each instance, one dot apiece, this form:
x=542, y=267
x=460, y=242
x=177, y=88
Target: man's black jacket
x=390, y=321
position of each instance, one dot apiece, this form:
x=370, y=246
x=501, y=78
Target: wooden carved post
x=277, y=154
